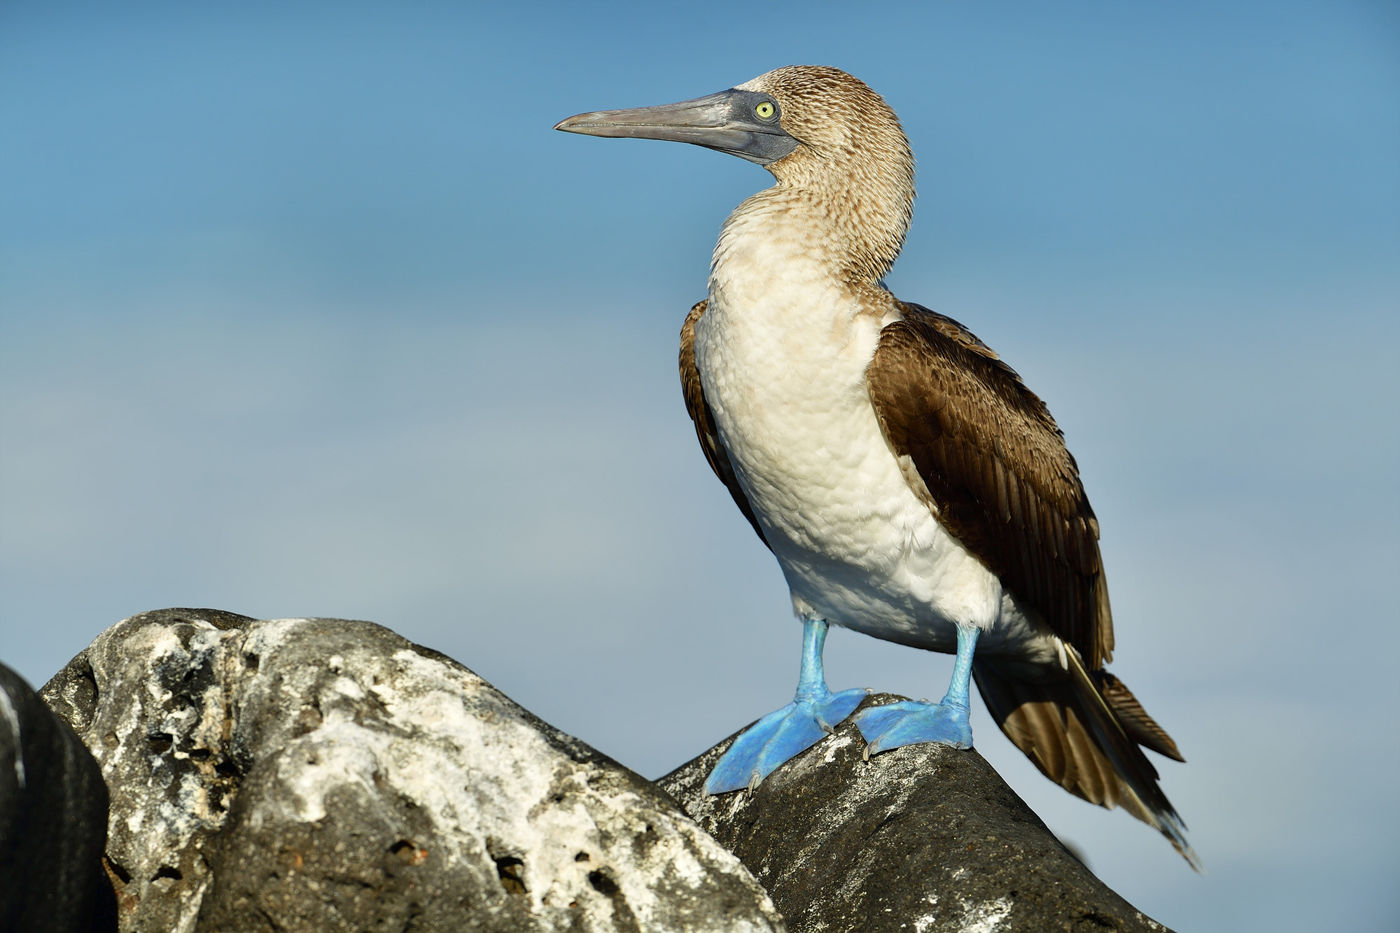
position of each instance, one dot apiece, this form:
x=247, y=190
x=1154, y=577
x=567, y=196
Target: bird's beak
x=723, y=121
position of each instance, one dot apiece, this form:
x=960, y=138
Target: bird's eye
x=765, y=110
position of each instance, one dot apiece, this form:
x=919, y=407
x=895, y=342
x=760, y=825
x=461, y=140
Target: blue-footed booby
x=909, y=484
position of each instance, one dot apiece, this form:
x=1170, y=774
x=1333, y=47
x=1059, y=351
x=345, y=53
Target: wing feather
x=997, y=469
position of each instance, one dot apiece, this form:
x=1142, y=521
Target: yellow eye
x=765, y=109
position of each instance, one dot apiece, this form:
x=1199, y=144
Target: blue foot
x=779, y=736
x=811, y=716
x=909, y=722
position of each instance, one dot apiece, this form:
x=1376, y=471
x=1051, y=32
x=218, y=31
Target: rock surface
x=924, y=838
x=329, y=775
x=53, y=820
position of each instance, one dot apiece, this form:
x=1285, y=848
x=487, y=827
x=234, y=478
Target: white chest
x=782, y=351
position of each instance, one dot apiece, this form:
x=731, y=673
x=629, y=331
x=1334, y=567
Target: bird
x=909, y=484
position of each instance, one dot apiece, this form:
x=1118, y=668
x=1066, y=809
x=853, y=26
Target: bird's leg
x=909, y=722
x=782, y=734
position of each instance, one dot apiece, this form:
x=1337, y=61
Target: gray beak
x=725, y=121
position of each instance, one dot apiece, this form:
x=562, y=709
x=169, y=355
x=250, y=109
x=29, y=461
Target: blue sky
x=309, y=312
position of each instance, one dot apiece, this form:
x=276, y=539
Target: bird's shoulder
x=937, y=381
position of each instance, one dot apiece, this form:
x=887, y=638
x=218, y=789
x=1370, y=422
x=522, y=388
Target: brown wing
x=705, y=420
x=996, y=469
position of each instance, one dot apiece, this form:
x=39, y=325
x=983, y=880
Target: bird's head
x=815, y=128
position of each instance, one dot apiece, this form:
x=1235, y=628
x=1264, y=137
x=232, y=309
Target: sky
x=306, y=311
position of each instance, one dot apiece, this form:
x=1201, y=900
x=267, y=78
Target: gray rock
x=924, y=838
x=53, y=820
x=329, y=775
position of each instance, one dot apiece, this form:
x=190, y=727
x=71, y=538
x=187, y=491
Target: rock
x=329, y=775
x=53, y=820
x=925, y=838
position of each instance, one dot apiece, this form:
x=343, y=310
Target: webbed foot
x=910, y=722
x=779, y=736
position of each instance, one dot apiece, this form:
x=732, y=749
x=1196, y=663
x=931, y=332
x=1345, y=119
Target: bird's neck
x=786, y=270
x=851, y=232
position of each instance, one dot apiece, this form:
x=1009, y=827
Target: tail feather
x=1141, y=727
x=1083, y=730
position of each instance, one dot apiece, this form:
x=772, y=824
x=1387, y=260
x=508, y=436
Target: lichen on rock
x=330, y=775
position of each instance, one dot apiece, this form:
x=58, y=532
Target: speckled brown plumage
x=848, y=132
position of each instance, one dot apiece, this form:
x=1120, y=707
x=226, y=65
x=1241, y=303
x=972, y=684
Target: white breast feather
x=782, y=351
